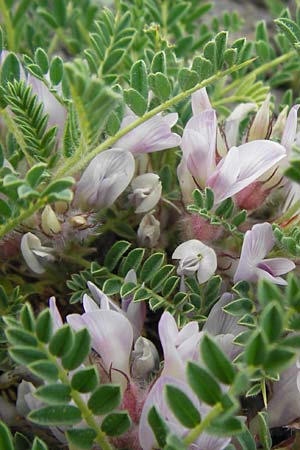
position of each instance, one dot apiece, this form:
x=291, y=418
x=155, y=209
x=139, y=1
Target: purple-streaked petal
x=105, y=178
x=279, y=266
x=242, y=165
x=199, y=145
x=257, y=244
x=263, y=273
x=112, y=338
x=290, y=129
x=200, y=101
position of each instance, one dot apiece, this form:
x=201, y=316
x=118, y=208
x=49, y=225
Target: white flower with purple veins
x=179, y=346
x=35, y=254
x=258, y=242
x=112, y=330
x=156, y=398
x=242, y=166
x=151, y=136
x=105, y=178
x=146, y=193
x=194, y=256
x=112, y=337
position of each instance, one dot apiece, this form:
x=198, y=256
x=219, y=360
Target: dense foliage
x=149, y=226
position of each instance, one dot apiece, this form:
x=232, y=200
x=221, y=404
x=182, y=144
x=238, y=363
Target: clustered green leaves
x=148, y=55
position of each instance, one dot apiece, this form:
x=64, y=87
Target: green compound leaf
x=79, y=351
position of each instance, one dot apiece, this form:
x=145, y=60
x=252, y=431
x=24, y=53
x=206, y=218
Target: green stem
x=198, y=430
x=25, y=214
x=8, y=26
x=263, y=68
x=78, y=162
x=86, y=413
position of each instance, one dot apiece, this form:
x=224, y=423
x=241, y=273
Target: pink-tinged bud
x=253, y=196
x=130, y=401
x=196, y=227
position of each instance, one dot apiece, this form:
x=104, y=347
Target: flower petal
x=112, y=338
x=105, y=178
x=242, y=165
x=55, y=314
x=152, y=135
x=232, y=123
x=200, y=101
x=279, y=266
x=290, y=129
x=257, y=244
x=199, y=145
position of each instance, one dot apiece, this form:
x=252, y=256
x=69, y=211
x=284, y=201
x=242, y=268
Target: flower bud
x=145, y=358
x=261, y=122
x=146, y=194
x=149, y=231
x=49, y=222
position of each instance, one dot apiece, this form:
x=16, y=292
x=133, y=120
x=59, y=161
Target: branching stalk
x=77, y=162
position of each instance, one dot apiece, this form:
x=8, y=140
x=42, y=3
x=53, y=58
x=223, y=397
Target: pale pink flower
x=151, y=136
x=258, y=242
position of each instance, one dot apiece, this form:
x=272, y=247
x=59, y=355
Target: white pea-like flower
x=34, y=253
x=146, y=192
x=194, y=256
